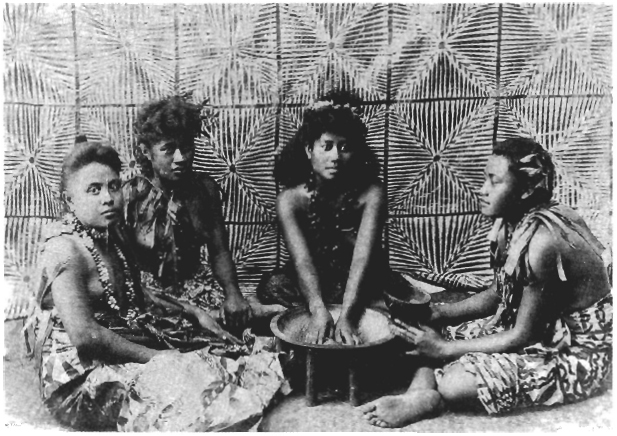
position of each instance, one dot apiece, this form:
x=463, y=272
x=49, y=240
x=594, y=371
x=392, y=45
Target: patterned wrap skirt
x=193, y=391
x=573, y=367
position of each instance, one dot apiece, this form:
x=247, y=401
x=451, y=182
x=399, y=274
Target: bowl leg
x=353, y=384
x=311, y=395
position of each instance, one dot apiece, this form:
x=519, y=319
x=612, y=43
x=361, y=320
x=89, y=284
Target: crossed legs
x=423, y=399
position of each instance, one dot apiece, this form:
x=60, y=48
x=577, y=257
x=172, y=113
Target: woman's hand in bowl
x=320, y=326
x=346, y=333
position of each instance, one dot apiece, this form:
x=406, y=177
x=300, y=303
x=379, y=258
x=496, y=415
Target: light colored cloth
x=194, y=391
x=574, y=357
x=217, y=387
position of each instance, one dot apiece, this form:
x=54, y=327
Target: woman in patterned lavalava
x=173, y=212
x=541, y=334
x=332, y=213
x=107, y=355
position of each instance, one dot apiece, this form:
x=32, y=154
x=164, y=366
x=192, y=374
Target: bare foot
x=264, y=310
x=401, y=410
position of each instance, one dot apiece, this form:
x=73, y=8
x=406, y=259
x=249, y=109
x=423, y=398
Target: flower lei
x=327, y=231
x=88, y=235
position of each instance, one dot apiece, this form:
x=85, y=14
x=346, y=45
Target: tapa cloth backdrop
x=441, y=82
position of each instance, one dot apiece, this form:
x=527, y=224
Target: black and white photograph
x=308, y=217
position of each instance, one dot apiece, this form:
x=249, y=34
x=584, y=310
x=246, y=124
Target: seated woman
x=172, y=212
x=104, y=353
x=547, y=335
x=332, y=212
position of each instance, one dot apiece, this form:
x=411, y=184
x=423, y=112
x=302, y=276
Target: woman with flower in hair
x=173, y=211
x=108, y=356
x=332, y=212
x=541, y=334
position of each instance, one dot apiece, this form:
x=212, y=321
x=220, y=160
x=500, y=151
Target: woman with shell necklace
x=108, y=357
x=332, y=212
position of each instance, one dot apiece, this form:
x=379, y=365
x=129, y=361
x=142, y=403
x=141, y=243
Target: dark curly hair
x=532, y=166
x=84, y=153
x=172, y=117
x=341, y=117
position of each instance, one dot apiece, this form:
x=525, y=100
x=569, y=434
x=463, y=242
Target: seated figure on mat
x=106, y=355
x=331, y=211
x=541, y=334
x=172, y=212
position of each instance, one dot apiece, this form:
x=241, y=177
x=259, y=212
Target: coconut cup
x=408, y=304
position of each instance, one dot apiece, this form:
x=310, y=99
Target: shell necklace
x=87, y=236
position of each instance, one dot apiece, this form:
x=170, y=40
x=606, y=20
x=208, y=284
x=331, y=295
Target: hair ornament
x=536, y=170
x=324, y=104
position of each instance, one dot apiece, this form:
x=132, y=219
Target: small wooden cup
x=408, y=303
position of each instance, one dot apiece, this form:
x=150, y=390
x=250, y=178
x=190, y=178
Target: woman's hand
x=427, y=341
x=346, y=333
x=209, y=324
x=236, y=312
x=320, y=327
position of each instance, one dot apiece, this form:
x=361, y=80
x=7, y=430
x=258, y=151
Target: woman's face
x=329, y=156
x=172, y=159
x=499, y=194
x=94, y=195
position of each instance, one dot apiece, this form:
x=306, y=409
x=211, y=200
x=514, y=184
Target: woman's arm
x=69, y=291
x=288, y=207
x=236, y=309
x=206, y=320
x=367, y=241
x=479, y=305
x=530, y=319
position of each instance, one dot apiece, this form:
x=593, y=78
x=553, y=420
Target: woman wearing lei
x=541, y=334
x=106, y=355
x=332, y=212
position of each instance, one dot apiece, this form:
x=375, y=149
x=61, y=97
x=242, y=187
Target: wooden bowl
x=408, y=303
x=373, y=328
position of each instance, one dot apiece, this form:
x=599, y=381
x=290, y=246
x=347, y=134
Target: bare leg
x=421, y=400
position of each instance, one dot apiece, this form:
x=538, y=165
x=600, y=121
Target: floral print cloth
x=170, y=251
x=573, y=360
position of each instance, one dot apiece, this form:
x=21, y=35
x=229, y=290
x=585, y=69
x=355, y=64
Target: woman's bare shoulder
x=373, y=193
x=375, y=189
x=294, y=194
x=293, y=199
x=550, y=253
x=63, y=250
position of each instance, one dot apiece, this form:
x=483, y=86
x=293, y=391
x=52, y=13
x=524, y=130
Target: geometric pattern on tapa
x=444, y=51
x=240, y=156
x=442, y=82
x=444, y=248
x=227, y=52
x=330, y=45
x=125, y=53
x=556, y=49
x=22, y=236
x=437, y=152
